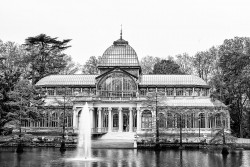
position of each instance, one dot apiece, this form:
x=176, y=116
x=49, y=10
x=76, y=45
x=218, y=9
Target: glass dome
x=117, y=85
x=119, y=54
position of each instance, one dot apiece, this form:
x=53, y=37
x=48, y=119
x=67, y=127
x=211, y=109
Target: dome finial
x=121, y=32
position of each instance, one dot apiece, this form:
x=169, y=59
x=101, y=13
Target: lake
x=51, y=157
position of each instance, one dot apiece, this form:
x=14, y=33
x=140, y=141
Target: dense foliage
x=21, y=66
x=45, y=56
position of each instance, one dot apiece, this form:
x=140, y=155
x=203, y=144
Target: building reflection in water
x=49, y=157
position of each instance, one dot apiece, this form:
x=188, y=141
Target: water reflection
x=49, y=157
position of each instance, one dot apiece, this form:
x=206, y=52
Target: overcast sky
x=157, y=28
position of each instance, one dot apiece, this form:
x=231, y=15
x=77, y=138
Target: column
x=130, y=119
x=91, y=109
x=120, y=119
x=109, y=120
x=74, y=119
x=138, y=119
x=99, y=119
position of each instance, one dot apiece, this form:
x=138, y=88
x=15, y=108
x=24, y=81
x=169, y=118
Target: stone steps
x=118, y=136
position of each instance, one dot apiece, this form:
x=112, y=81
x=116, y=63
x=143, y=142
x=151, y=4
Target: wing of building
x=122, y=99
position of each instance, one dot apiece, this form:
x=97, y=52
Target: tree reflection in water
x=123, y=157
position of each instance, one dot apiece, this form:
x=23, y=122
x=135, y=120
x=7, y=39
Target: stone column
x=109, y=120
x=138, y=119
x=228, y=123
x=91, y=109
x=99, y=119
x=120, y=119
x=74, y=119
x=130, y=119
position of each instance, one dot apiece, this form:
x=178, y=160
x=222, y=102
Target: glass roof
x=146, y=80
x=119, y=54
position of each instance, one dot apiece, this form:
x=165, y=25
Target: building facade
x=122, y=99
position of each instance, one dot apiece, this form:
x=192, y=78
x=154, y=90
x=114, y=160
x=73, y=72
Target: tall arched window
x=134, y=118
x=162, y=120
x=54, y=119
x=218, y=120
x=201, y=120
x=210, y=121
x=115, y=120
x=105, y=118
x=78, y=118
x=117, y=84
x=146, y=121
x=170, y=120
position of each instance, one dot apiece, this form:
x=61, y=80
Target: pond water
x=51, y=157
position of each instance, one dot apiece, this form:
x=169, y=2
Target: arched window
x=180, y=120
x=170, y=120
x=162, y=120
x=134, y=118
x=210, y=121
x=78, y=118
x=189, y=121
x=105, y=117
x=217, y=120
x=54, y=119
x=201, y=120
x=69, y=121
x=146, y=121
x=115, y=120
x=117, y=85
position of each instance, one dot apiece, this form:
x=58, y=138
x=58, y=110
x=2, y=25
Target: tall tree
x=45, y=56
x=147, y=64
x=11, y=69
x=90, y=67
x=167, y=67
x=186, y=63
x=23, y=102
x=13, y=55
x=71, y=67
x=234, y=60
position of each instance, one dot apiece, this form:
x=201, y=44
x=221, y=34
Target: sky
x=156, y=28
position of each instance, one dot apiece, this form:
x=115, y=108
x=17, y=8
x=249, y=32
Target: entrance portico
x=109, y=119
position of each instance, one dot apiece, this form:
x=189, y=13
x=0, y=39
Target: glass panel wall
x=117, y=85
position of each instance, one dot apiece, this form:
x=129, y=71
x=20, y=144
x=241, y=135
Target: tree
x=186, y=63
x=90, y=67
x=7, y=83
x=71, y=67
x=234, y=62
x=24, y=102
x=45, y=56
x=13, y=55
x=147, y=64
x=167, y=67
x=206, y=63
x=153, y=100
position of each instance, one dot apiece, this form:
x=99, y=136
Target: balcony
x=109, y=96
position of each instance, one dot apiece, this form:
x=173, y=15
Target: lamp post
x=63, y=148
x=154, y=97
x=157, y=144
x=180, y=131
x=199, y=121
x=20, y=146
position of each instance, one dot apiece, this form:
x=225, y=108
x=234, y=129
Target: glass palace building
x=123, y=100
